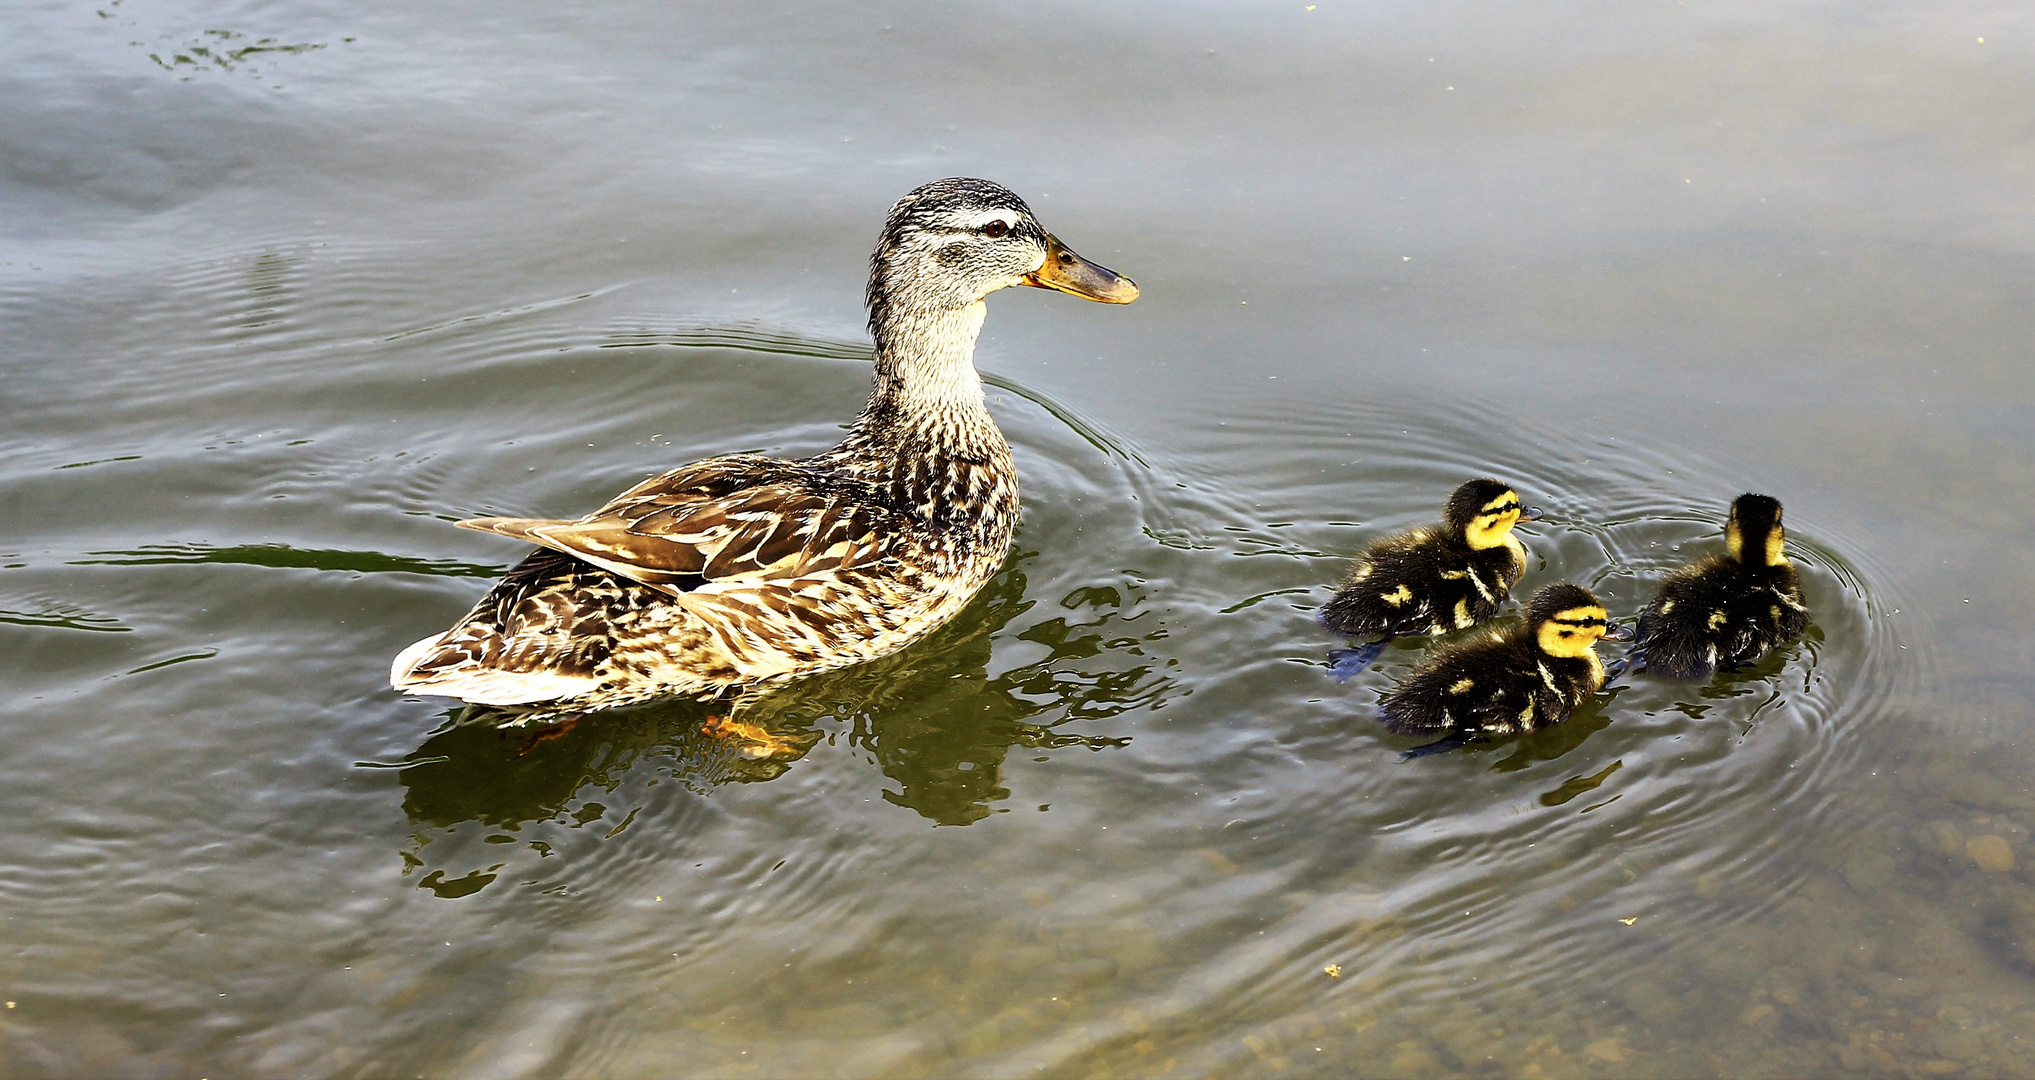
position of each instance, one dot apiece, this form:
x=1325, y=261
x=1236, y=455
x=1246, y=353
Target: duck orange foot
x=554, y=731
x=755, y=742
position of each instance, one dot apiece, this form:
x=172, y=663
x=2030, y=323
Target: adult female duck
x=738, y=572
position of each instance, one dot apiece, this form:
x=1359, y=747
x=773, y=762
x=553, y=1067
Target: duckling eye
x=995, y=229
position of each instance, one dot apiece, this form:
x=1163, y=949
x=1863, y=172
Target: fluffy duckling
x=1519, y=679
x=1726, y=610
x=1431, y=580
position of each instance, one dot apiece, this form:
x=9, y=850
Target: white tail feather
x=482, y=686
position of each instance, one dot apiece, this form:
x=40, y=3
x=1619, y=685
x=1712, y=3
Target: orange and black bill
x=1070, y=273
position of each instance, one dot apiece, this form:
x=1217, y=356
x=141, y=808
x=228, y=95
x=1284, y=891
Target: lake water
x=287, y=287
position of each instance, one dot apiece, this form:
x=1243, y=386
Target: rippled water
x=288, y=288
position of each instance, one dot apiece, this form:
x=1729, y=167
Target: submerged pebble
x=1992, y=854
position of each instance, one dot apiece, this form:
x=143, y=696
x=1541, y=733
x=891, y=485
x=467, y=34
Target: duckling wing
x=1511, y=701
x=1472, y=687
x=1393, y=587
x=743, y=518
x=1714, y=614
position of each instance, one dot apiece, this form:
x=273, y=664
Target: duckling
x=734, y=574
x=1518, y=679
x=1727, y=610
x=1431, y=580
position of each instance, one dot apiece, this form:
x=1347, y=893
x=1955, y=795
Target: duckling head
x=1756, y=518
x=948, y=244
x=1566, y=619
x=1484, y=511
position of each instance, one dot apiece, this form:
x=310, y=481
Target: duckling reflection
x=938, y=725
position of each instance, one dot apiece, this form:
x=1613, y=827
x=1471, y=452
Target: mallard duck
x=731, y=574
x=1727, y=610
x=1431, y=580
x=1518, y=679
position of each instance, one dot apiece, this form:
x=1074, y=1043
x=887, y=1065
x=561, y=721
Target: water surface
x=287, y=288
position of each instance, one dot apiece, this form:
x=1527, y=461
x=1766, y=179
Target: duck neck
x=927, y=392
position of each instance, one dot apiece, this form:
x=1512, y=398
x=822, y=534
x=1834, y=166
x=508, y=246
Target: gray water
x=286, y=288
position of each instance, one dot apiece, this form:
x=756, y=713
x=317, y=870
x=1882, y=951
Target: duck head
x=1566, y=620
x=952, y=242
x=1483, y=513
x=1756, y=518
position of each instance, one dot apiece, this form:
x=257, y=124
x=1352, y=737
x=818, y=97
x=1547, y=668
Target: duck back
x=1720, y=613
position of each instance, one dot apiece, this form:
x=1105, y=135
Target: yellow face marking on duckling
x=1397, y=596
x=1667, y=606
x=1462, y=686
x=1573, y=632
x=1774, y=555
x=1493, y=523
x=1717, y=619
x=1776, y=538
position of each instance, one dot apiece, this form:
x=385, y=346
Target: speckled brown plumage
x=738, y=572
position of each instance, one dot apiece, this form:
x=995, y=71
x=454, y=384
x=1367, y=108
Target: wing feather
x=743, y=518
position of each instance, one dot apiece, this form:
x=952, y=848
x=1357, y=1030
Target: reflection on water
x=930, y=718
x=283, y=555
x=68, y=616
x=225, y=50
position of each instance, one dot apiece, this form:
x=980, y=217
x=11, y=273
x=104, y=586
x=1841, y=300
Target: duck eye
x=995, y=229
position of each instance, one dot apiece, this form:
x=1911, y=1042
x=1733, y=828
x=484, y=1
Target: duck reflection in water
x=935, y=721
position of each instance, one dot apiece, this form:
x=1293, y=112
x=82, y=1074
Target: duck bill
x=1531, y=513
x=1070, y=273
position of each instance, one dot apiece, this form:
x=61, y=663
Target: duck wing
x=743, y=519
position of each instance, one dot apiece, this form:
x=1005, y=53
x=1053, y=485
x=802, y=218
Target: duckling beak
x=1531, y=513
x=1070, y=273
x=1620, y=632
